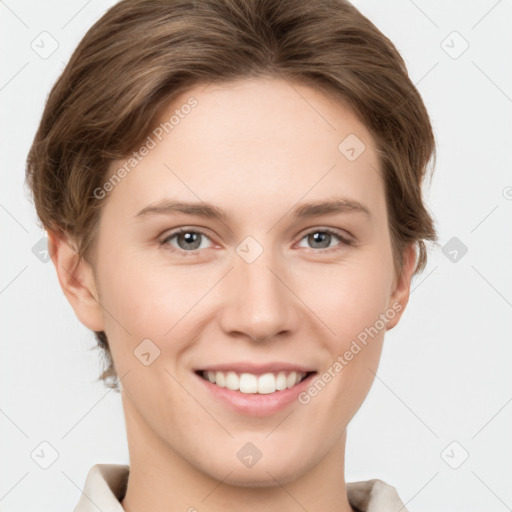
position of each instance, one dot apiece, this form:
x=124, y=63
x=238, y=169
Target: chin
x=261, y=479
x=272, y=472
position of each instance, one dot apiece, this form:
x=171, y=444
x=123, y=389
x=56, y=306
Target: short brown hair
x=142, y=53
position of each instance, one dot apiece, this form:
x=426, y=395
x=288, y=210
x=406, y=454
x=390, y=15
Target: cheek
x=146, y=300
x=350, y=299
x=354, y=307
x=153, y=303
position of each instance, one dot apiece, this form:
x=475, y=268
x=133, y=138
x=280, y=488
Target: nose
x=259, y=303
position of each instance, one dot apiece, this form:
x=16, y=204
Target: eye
x=188, y=240
x=321, y=238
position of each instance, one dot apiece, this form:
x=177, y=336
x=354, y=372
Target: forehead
x=253, y=139
x=249, y=114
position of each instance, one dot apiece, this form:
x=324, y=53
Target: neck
x=161, y=480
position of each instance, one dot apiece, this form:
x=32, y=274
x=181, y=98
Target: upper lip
x=257, y=369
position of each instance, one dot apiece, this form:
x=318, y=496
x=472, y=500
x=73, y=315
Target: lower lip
x=256, y=404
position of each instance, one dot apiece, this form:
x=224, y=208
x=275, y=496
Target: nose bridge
x=259, y=305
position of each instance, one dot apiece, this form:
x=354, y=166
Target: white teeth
x=266, y=383
x=281, y=381
x=232, y=381
x=250, y=383
x=220, y=379
x=291, y=379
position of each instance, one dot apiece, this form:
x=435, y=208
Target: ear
x=402, y=286
x=77, y=280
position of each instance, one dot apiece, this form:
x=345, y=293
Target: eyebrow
x=208, y=210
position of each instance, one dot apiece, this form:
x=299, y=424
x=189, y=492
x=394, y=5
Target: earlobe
x=76, y=279
x=400, y=295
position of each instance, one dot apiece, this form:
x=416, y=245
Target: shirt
x=105, y=487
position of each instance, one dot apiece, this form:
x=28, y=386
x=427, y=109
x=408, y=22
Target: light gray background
x=445, y=373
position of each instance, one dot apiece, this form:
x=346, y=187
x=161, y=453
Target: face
x=258, y=282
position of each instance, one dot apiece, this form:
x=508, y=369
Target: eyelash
x=345, y=240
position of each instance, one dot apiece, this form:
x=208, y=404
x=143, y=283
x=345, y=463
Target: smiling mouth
x=249, y=383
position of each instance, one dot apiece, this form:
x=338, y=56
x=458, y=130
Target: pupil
x=189, y=239
x=320, y=237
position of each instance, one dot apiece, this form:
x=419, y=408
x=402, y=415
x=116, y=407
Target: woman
x=232, y=194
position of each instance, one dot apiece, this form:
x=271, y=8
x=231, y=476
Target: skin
x=256, y=148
